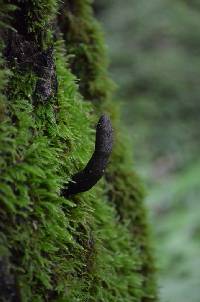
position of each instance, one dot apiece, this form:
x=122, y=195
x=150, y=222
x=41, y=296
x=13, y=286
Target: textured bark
x=26, y=55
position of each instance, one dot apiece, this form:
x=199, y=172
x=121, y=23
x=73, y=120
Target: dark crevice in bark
x=27, y=56
x=22, y=20
x=25, y=51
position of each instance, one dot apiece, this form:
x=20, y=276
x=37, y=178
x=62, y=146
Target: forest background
x=155, y=60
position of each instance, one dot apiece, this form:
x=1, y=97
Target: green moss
x=126, y=192
x=67, y=249
x=84, y=42
x=95, y=246
x=86, y=49
x=37, y=160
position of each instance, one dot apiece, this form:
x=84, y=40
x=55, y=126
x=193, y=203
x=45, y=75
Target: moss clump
x=94, y=246
x=86, y=49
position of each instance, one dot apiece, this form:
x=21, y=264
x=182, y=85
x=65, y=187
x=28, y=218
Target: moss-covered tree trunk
x=90, y=246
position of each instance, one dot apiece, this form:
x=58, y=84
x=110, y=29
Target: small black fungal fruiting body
x=95, y=168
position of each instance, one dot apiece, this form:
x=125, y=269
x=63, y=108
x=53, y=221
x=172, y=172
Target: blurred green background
x=154, y=48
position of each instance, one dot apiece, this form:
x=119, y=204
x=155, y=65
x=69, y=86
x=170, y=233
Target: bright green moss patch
x=40, y=148
x=62, y=248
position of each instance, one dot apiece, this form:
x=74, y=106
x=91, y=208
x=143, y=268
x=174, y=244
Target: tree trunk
x=92, y=245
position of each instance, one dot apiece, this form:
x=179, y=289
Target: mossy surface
x=94, y=246
x=86, y=49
